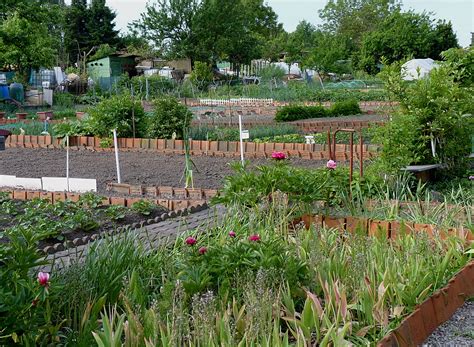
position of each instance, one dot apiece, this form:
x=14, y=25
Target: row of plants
x=125, y=113
x=66, y=220
x=327, y=191
x=248, y=281
x=296, y=112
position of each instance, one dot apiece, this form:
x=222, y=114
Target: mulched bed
x=145, y=168
x=43, y=216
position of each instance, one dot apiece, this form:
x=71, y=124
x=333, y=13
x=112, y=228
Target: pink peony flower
x=43, y=279
x=202, y=250
x=190, y=241
x=278, y=156
x=254, y=237
x=331, y=165
x=232, y=234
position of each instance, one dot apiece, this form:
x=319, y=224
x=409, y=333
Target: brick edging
x=434, y=311
x=197, y=148
x=164, y=192
x=376, y=227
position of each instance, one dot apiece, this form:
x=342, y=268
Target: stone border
x=434, y=311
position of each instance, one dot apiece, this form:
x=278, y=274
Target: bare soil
x=144, y=168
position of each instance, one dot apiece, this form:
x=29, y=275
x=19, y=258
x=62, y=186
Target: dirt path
x=136, y=168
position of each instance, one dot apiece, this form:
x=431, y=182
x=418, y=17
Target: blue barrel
x=17, y=92
x=4, y=92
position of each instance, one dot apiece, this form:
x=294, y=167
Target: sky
x=291, y=12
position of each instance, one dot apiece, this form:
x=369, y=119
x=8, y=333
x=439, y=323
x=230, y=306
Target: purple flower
x=202, y=250
x=232, y=234
x=471, y=178
x=190, y=241
x=331, y=165
x=278, y=155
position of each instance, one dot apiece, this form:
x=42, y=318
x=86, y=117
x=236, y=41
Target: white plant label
x=245, y=135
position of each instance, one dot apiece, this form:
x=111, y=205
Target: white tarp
x=417, y=68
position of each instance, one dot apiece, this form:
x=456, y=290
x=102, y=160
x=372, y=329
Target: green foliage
x=25, y=44
x=295, y=112
x=202, y=75
x=169, y=117
x=339, y=108
x=345, y=108
x=63, y=100
x=70, y=128
x=121, y=112
x=272, y=73
x=432, y=123
x=103, y=51
x=402, y=35
x=183, y=29
x=143, y=207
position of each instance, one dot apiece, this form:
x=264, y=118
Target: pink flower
x=278, y=156
x=190, y=241
x=232, y=234
x=331, y=165
x=43, y=279
x=202, y=250
x=254, y=238
x=471, y=178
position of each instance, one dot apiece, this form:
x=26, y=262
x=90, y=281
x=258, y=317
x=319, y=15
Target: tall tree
x=403, y=35
x=100, y=24
x=25, y=45
x=76, y=29
x=209, y=30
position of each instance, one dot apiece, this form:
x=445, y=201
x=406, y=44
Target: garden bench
x=423, y=172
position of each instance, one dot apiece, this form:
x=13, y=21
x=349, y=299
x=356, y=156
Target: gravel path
x=136, y=168
x=458, y=331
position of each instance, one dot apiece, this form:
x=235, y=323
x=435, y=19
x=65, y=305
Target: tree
x=25, y=45
x=354, y=18
x=403, y=35
x=100, y=24
x=76, y=30
x=169, y=25
x=330, y=53
x=209, y=30
x=300, y=42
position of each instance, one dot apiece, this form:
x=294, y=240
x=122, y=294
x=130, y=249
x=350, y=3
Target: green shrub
x=201, y=75
x=169, y=117
x=295, y=112
x=63, y=99
x=345, y=108
x=120, y=112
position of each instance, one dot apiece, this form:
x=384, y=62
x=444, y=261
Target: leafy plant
x=121, y=112
x=144, y=207
x=168, y=119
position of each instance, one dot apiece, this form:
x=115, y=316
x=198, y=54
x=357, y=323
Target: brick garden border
x=163, y=192
x=376, y=227
x=198, y=148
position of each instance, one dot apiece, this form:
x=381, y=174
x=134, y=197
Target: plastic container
x=4, y=92
x=17, y=92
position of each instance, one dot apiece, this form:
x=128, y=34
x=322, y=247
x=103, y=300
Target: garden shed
x=106, y=71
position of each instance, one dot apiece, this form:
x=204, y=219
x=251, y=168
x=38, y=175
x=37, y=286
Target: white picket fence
x=235, y=102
